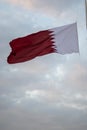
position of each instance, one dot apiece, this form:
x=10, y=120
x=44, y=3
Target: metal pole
x=86, y=12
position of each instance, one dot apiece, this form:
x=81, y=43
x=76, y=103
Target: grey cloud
x=64, y=119
x=56, y=9
x=56, y=4
x=60, y=103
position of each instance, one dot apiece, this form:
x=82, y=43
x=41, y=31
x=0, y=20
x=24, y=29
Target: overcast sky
x=48, y=92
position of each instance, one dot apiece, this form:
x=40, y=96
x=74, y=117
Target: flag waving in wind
x=62, y=40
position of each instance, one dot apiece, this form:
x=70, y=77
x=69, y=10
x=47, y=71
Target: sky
x=48, y=92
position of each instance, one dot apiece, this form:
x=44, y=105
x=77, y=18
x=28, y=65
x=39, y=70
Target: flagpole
x=86, y=12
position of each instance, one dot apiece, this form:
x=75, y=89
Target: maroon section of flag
x=31, y=46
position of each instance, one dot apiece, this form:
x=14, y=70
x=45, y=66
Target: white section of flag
x=66, y=39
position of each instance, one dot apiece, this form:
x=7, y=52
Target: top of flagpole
x=86, y=12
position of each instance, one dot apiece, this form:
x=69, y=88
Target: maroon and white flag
x=62, y=40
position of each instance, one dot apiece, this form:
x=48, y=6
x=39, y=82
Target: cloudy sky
x=48, y=92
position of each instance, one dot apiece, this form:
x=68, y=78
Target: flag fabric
x=62, y=40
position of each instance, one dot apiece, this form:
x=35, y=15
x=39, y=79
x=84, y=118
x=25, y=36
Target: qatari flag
x=62, y=40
